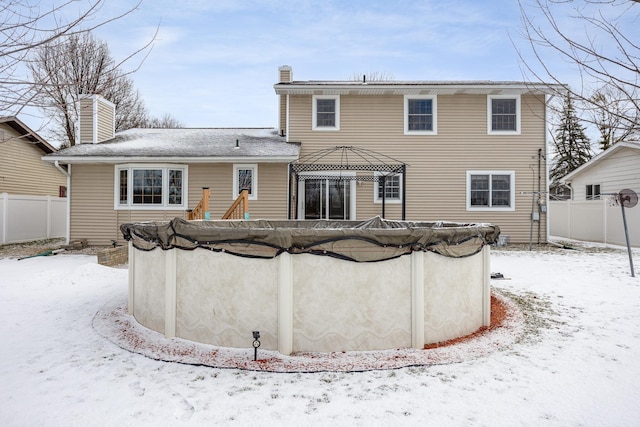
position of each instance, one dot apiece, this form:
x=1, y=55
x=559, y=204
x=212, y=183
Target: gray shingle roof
x=186, y=143
x=409, y=87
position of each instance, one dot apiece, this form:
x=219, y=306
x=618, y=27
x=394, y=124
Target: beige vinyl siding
x=106, y=116
x=285, y=74
x=437, y=164
x=86, y=121
x=22, y=170
x=103, y=118
x=272, y=189
x=93, y=216
x=282, y=123
x=273, y=185
x=91, y=198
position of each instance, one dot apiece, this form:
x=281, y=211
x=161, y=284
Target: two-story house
x=472, y=151
x=425, y=151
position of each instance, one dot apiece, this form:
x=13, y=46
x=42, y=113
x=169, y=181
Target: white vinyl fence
x=593, y=221
x=27, y=218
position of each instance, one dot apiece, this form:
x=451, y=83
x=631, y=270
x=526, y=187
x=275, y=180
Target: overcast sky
x=214, y=63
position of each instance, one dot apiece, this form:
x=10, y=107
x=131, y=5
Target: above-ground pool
x=312, y=286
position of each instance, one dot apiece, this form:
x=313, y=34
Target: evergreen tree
x=572, y=146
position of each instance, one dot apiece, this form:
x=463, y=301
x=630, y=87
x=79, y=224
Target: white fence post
x=5, y=210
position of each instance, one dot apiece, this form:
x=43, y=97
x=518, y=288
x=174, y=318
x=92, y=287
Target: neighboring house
x=589, y=214
x=452, y=151
x=32, y=204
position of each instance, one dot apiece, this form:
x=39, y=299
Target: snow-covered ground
x=578, y=362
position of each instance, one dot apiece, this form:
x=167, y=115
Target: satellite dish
x=628, y=198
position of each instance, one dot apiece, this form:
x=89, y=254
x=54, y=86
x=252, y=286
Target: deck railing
x=202, y=208
x=239, y=208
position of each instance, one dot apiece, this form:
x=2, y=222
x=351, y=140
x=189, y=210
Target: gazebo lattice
x=353, y=159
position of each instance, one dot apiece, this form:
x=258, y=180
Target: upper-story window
x=392, y=186
x=326, y=112
x=150, y=187
x=490, y=190
x=593, y=192
x=503, y=114
x=420, y=115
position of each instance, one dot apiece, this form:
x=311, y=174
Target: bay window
x=151, y=187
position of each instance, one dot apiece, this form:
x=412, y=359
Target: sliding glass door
x=327, y=198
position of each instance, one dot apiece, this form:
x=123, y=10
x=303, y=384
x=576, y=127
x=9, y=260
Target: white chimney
x=96, y=121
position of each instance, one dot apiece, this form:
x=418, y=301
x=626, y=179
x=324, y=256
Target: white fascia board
x=117, y=160
x=409, y=89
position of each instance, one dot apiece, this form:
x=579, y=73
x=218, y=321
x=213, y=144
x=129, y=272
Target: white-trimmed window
x=592, y=192
x=150, y=186
x=503, y=114
x=420, y=115
x=326, y=112
x=245, y=177
x=490, y=190
x=392, y=185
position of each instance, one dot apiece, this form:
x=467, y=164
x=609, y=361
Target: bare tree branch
x=166, y=121
x=373, y=76
x=606, y=55
x=26, y=26
x=78, y=65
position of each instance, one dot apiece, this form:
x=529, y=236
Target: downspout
x=5, y=208
x=404, y=192
x=61, y=169
x=539, y=193
x=67, y=173
x=287, y=118
x=547, y=159
x=289, y=190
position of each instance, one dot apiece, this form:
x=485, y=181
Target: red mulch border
x=113, y=323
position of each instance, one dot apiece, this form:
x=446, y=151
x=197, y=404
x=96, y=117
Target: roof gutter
x=66, y=173
x=61, y=169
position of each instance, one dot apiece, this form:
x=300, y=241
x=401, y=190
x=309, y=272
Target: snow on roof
x=185, y=143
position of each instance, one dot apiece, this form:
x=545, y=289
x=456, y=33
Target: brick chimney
x=97, y=119
x=285, y=75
